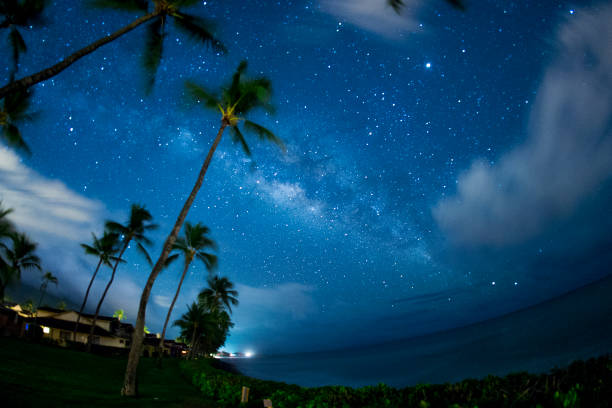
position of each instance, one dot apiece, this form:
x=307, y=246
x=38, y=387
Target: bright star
x=428, y=65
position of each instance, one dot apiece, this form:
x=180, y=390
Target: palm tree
x=193, y=323
x=237, y=100
x=119, y=314
x=18, y=257
x=15, y=14
x=219, y=294
x=398, y=5
x=156, y=13
x=47, y=278
x=191, y=246
x=104, y=248
x=135, y=230
x=14, y=110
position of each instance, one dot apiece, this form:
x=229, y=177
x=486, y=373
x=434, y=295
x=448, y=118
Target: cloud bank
x=59, y=219
x=566, y=157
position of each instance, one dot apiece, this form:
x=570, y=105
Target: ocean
x=577, y=325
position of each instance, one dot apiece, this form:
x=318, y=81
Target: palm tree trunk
x=45, y=74
x=193, y=341
x=95, y=318
x=129, y=381
x=76, y=326
x=163, y=334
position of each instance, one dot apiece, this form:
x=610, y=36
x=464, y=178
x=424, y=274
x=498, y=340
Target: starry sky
x=442, y=167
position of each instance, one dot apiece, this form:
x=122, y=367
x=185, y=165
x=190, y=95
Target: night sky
x=442, y=167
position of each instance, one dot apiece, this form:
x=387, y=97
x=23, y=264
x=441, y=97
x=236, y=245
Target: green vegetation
x=582, y=384
x=34, y=375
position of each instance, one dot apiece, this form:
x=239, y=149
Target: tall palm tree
x=105, y=249
x=156, y=12
x=134, y=230
x=237, y=100
x=191, y=246
x=15, y=14
x=219, y=294
x=47, y=278
x=13, y=112
x=18, y=257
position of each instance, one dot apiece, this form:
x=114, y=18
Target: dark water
x=577, y=325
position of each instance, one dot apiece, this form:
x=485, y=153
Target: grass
x=35, y=375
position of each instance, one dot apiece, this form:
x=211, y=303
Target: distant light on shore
x=249, y=354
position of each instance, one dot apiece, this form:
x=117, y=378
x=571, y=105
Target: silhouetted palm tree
x=135, y=229
x=193, y=323
x=13, y=112
x=18, y=256
x=237, y=100
x=191, y=246
x=104, y=248
x=219, y=294
x=47, y=278
x=15, y=14
x=156, y=13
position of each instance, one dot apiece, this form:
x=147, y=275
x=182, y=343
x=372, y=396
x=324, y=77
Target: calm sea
x=575, y=326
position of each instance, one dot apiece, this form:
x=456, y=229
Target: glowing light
x=46, y=330
x=428, y=65
x=249, y=354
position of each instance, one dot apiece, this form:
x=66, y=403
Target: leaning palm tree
x=134, y=230
x=13, y=112
x=15, y=14
x=18, y=257
x=192, y=246
x=47, y=278
x=219, y=294
x=156, y=13
x=237, y=100
x=105, y=249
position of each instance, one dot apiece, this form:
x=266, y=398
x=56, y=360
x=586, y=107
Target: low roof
x=69, y=326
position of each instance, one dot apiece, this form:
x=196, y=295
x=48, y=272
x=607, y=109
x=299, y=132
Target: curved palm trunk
x=76, y=326
x=163, y=335
x=193, y=341
x=95, y=318
x=45, y=74
x=129, y=381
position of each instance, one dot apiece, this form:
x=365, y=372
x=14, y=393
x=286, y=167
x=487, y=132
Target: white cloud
x=162, y=301
x=568, y=153
x=375, y=15
x=59, y=219
x=273, y=307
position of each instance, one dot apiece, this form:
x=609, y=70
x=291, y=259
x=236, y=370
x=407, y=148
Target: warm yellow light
x=46, y=330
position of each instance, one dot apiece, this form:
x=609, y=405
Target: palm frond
x=16, y=104
x=125, y=5
x=115, y=227
x=144, y=252
x=170, y=260
x=12, y=137
x=198, y=29
x=234, y=91
x=197, y=93
x=264, y=133
x=153, y=51
x=210, y=261
x=238, y=137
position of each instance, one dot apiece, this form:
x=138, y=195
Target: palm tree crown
x=135, y=229
x=21, y=255
x=235, y=101
x=104, y=248
x=194, y=243
x=219, y=293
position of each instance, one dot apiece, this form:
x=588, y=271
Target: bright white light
x=249, y=354
x=46, y=330
x=428, y=65
x=571, y=11
x=493, y=283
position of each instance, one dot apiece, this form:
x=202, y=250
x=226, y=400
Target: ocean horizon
x=574, y=326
